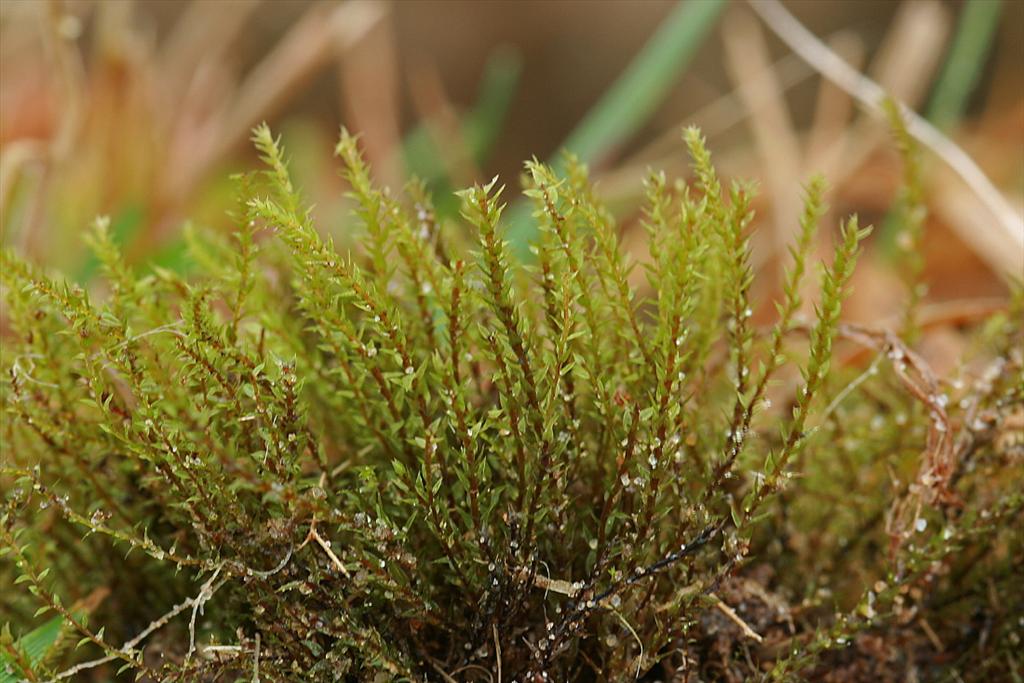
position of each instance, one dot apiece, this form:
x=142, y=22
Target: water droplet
x=921, y=524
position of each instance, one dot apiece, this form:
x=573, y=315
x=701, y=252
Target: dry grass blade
x=829, y=138
x=747, y=60
x=907, y=57
x=912, y=51
x=368, y=75
x=204, y=33
x=714, y=119
x=309, y=44
x=442, y=124
x=1008, y=220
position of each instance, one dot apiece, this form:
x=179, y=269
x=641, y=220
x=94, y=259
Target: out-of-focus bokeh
x=141, y=110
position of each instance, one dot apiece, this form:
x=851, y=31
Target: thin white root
x=128, y=648
x=206, y=592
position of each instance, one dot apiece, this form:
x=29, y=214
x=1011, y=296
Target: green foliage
x=29, y=651
x=976, y=30
x=911, y=213
x=421, y=461
x=631, y=100
x=634, y=96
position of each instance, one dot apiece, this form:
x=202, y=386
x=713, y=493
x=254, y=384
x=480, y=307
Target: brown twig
x=735, y=618
x=313, y=535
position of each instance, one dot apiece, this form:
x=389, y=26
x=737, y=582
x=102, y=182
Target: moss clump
x=422, y=462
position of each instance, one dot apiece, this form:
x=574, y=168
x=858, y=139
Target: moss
x=422, y=461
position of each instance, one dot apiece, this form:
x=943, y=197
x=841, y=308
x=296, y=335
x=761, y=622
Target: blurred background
x=141, y=110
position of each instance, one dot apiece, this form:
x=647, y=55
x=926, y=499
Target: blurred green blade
x=498, y=85
x=630, y=101
x=643, y=85
x=971, y=45
x=481, y=126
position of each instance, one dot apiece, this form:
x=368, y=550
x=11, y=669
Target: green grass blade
x=497, y=87
x=481, y=125
x=632, y=99
x=975, y=30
